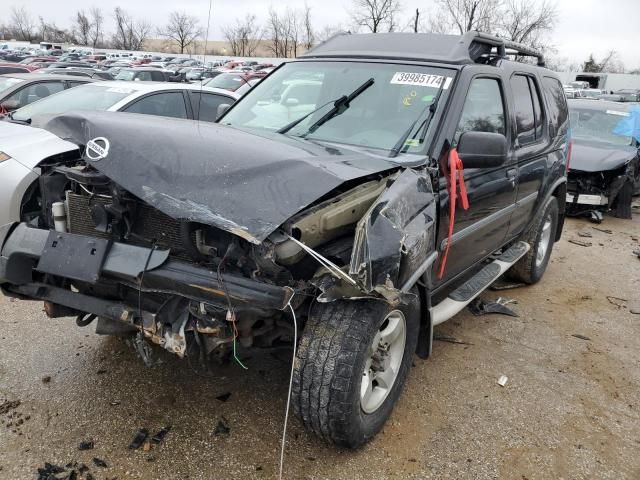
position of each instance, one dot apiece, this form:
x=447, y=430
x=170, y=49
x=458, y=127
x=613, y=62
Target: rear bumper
x=21, y=248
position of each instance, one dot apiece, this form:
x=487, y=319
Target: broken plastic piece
x=86, y=445
x=580, y=242
x=139, y=439
x=222, y=428
x=481, y=307
x=502, y=381
x=158, y=437
x=100, y=463
x=224, y=397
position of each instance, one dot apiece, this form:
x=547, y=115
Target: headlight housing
x=3, y=157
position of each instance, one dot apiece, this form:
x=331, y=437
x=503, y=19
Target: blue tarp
x=630, y=126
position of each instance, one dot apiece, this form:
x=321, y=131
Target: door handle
x=512, y=173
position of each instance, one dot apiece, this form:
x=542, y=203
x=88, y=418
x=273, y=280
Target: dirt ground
x=570, y=408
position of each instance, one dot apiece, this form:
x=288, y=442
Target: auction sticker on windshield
x=421, y=79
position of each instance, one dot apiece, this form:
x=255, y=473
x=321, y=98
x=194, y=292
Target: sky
x=584, y=26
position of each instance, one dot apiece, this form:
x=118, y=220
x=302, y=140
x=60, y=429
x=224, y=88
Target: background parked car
x=234, y=82
x=81, y=72
x=142, y=74
x=150, y=98
x=605, y=163
x=20, y=89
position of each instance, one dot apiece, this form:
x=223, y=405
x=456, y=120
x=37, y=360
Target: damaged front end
x=187, y=271
x=602, y=191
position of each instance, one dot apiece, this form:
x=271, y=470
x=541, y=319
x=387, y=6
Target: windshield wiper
x=402, y=146
x=339, y=107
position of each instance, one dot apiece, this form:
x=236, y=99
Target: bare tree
x=309, y=34
x=611, y=63
x=375, y=15
x=182, y=29
x=283, y=31
x=96, y=33
x=23, y=24
x=81, y=27
x=461, y=16
x=129, y=34
x=244, y=37
x=526, y=22
x=52, y=33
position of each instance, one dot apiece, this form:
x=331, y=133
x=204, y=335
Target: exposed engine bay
x=201, y=288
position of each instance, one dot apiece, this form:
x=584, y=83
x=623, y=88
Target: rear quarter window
x=557, y=104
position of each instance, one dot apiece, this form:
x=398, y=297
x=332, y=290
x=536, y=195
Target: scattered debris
x=146, y=447
x=82, y=468
x=604, y=230
x=100, y=463
x=139, y=439
x=49, y=471
x=224, y=397
x=86, y=445
x=9, y=405
x=158, y=437
x=444, y=338
x=222, y=428
x=580, y=242
x=636, y=253
x=502, y=284
x=617, y=301
x=502, y=381
x=101, y=371
x=635, y=310
x=88, y=476
x=581, y=337
x=586, y=234
x=46, y=379
x=483, y=307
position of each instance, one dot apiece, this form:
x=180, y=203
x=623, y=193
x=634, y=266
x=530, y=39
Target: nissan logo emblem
x=97, y=149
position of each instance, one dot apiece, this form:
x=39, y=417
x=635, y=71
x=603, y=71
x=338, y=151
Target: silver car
x=23, y=146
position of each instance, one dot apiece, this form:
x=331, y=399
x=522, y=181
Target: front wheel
x=352, y=362
x=540, y=235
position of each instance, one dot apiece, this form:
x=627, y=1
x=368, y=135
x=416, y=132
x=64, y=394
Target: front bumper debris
x=21, y=250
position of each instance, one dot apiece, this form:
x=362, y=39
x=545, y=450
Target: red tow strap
x=455, y=180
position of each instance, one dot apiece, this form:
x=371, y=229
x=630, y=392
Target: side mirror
x=291, y=102
x=482, y=149
x=222, y=109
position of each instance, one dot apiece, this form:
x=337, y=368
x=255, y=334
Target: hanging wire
x=293, y=359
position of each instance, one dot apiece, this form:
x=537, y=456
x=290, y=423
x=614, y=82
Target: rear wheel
x=541, y=236
x=352, y=362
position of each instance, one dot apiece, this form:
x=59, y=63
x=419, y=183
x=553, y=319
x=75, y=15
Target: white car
x=23, y=146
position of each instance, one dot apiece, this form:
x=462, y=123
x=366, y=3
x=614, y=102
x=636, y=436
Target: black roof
x=472, y=47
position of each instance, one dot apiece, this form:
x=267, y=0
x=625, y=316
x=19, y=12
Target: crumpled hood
x=245, y=183
x=591, y=156
x=28, y=145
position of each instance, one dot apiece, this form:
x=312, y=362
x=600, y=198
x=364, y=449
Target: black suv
x=353, y=200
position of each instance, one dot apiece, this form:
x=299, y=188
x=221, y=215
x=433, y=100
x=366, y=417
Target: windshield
x=87, y=97
x=379, y=117
x=8, y=82
x=125, y=75
x=598, y=125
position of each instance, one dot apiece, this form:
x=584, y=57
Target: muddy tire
x=338, y=393
x=541, y=236
x=624, y=201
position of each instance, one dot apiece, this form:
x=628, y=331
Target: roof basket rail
x=481, y=46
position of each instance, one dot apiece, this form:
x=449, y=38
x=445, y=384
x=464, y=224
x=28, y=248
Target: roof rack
x=472, y=47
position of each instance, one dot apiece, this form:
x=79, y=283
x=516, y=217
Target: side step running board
x=464, y=294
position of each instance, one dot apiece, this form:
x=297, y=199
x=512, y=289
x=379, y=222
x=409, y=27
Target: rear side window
x=525, y=115
x=557, y=103
x=170, y=104
x=483, y=109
